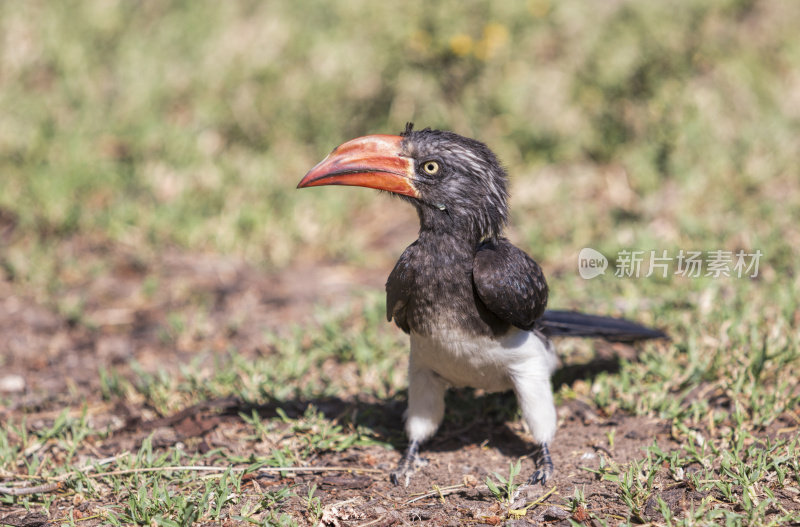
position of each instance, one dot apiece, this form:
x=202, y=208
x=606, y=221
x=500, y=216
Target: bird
x=472, y=303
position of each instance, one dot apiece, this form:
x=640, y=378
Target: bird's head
x=456, y=183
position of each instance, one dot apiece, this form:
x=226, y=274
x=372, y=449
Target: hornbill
x=472, y=303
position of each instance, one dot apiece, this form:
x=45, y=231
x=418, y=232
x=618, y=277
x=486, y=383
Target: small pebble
x=12, y=383
x=552, y=513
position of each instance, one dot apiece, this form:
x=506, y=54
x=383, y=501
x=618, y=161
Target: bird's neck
x=445, y=248
x=450, y=230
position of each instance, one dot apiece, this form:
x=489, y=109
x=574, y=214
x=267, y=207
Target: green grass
x=183, y=127
x=504, y=492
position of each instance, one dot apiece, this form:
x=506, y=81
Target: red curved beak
x=372, y=161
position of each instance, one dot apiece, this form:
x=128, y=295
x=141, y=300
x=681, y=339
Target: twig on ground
x=203, y=468
x=85, y=518
x=24, y=491
x=57, y=482
x=603, y=449
x=319, y=469
x=372, y=522
x=538, y=501
x=49, y=487
x=441, y=492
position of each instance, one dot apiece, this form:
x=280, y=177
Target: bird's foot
x=544, y=467
x=408, y=465
x=402, y=474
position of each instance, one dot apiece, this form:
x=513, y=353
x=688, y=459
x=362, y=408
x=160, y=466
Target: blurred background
x=143, y=143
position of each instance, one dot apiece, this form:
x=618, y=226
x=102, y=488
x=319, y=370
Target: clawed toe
x=405, y=469
x=408, y=465
x=540, y=476
x=400, y=475
x=545, y=470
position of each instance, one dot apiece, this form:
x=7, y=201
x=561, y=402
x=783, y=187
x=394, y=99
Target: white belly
x=482, y=362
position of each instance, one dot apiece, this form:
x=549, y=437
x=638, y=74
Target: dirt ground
x=58, y=361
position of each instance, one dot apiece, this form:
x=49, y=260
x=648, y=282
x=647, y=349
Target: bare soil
x=58, y=360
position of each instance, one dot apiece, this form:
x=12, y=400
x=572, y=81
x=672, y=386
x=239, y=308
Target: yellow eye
x=430, y=167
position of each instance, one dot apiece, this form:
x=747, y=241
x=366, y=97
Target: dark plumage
x=509, y=283
x=472, y=303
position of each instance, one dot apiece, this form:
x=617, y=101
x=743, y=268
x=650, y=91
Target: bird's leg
x=531, y=381
x=410, y=462
x=544, y=466
x=425, y=412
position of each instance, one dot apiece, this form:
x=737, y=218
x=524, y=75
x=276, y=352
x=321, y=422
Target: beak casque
x=372, y=161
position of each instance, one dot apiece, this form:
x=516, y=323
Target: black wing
x=398, y=289
x=510, y=283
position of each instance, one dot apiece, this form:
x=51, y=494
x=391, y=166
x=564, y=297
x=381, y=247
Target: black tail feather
x=573, y=324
